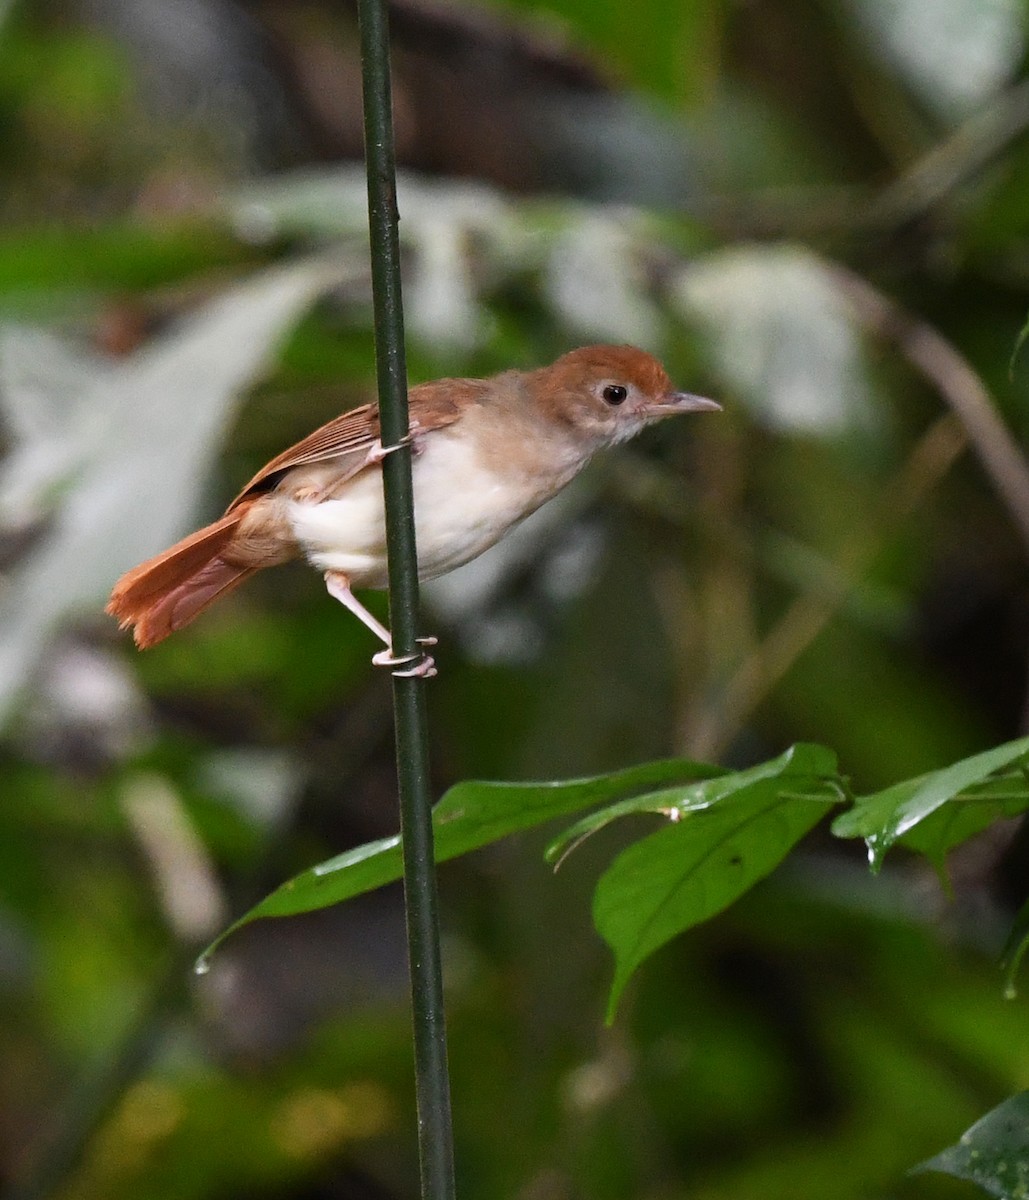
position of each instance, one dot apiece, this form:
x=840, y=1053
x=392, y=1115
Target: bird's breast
x=465, y=501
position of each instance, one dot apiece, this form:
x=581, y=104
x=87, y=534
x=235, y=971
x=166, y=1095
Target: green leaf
x=966, y=815
x=698, y=865
x=127, y=255
x=716, y=784
x=883, y=817
x=1014, y=949
x=994, y=1153
x=471, y=814
x=669, y=802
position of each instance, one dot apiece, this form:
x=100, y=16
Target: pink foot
x=411, y=666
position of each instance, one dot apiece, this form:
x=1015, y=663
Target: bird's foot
x=378, y=451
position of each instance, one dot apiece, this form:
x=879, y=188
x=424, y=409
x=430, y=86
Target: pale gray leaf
x=596, y=281
x=44, y=382
x=954, y=53
x=781, y=334
x=158, y=420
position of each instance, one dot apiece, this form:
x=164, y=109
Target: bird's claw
x=378, y=451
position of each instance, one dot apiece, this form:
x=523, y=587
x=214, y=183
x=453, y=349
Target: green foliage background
x=759, y=187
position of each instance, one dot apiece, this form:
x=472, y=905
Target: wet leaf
x=471, y=814
x=698, y=865
x=975, y=810
x=994, y=1153
x=881, y=818
x=675, y=802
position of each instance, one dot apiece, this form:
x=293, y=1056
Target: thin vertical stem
x=432, y=1082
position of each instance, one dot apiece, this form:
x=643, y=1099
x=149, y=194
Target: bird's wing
x=352, y=435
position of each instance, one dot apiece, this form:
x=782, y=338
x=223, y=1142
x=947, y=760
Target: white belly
x=461, y=509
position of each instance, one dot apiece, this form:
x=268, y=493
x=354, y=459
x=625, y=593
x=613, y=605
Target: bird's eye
x=614, y=393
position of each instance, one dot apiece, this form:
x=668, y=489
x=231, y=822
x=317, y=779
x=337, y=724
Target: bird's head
x=609, y=393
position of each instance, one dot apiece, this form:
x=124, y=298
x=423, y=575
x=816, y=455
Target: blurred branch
x=930, y=460
x=842, y=209
x=972, y=420
x=957, y=383
x=183, y=872
x=191, y=902
x=61, y=1144
x=954, y=160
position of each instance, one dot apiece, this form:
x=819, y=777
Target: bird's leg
x=338, y=587
x=419, y=665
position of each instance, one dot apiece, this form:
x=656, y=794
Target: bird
x=486, y=453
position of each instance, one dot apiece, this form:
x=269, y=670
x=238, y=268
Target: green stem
x=432, y=1082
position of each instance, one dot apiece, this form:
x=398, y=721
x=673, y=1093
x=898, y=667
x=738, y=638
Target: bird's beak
x=683, y=402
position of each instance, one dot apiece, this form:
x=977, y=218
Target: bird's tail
x=170, y=590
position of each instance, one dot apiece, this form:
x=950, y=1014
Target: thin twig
x=973, y=420
x=808, y=615
x=957, y=383
x=845, y=209
x=952, y=162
